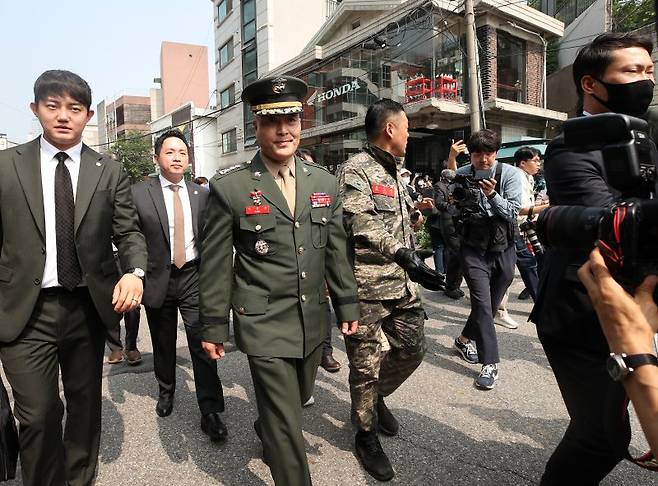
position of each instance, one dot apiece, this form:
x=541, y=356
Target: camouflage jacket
x=376, y=208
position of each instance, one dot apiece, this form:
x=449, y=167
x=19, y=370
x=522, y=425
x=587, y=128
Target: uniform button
x=303, y=297
x=324, y=220
x=258, y=227
x=303, y=274
x=297, y=225
x=300, y=250
x=241, y=310
x=37, y=281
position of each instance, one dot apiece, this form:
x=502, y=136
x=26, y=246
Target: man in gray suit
x=171, y=214
x=61, y=207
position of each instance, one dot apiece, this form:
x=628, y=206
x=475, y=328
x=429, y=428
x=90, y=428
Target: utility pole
x=471, y=51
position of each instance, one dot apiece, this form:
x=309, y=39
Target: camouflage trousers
x=373, y=372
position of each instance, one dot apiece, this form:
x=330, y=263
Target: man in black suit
x=171, y=214
x=612, y=74
x=62, y=205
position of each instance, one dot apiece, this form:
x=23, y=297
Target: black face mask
x=628, y=98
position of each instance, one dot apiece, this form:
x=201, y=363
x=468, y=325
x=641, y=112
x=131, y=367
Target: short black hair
x=168, y=134
x=525, y=153
x=483, y=141
x=57, y=82
x=595, y=57
x=201, y=180
x=378, y=113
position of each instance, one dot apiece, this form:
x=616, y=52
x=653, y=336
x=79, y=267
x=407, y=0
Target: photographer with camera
x=528, y=160
x=488, y=196
x=614, y=73
x=629, y=325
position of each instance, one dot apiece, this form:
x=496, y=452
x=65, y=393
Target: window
x=226, y=54
x=511, y=66
x=386, y=76
x=229, y=141
x=249, y=75
x=227, y=97
x=248, y=21
x=223, y=9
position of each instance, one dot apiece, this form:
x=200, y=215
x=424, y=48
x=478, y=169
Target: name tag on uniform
x=382, y=190
x=251, y=210
x=320, y=200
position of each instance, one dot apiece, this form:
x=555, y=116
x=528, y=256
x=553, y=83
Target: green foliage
x=135, y=152
x=631, y=14
x=423, y=238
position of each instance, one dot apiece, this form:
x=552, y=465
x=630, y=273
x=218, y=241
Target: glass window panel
x=248, y=11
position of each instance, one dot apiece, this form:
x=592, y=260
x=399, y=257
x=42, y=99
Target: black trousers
x=327, y=348
x=64, y=334
x=488, y=276
x=131, y=321
x=597, y=437
x=183, y=296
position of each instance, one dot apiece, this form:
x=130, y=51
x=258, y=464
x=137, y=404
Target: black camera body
x=465, y=192
x=627, y=232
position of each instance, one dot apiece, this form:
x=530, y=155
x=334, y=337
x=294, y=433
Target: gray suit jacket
x=104, y=213
x=152, y=212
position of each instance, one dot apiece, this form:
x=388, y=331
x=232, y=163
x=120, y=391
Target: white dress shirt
x=191, y=252
x=48, y=166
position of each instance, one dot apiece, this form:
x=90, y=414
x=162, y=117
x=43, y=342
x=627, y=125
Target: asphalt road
x=451, y=433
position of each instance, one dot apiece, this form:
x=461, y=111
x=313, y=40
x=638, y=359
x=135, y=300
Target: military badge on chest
x=261, y=246
x=320, y=200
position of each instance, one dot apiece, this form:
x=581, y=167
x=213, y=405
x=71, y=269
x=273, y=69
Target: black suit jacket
x=104, y=213
x=152, y=212
x=563, y=309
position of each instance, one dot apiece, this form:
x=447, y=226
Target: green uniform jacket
x=104, y=213
x=276, y=283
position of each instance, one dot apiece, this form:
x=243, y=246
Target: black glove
x=413, y=264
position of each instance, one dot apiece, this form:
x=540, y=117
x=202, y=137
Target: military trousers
x=282, y=385
x=374, y=373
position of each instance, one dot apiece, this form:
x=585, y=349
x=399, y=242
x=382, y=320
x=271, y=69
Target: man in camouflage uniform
x=376, y=209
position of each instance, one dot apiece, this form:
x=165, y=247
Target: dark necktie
x=69, y=273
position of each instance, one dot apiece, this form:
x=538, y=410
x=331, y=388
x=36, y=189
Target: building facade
x=252, y=37
x=414, y=52
x=183, y=75
x=118, y=117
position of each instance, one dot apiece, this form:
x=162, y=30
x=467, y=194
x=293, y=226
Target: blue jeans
x=438, y=246
x=527, y=265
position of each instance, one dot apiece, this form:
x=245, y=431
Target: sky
x=114, y=45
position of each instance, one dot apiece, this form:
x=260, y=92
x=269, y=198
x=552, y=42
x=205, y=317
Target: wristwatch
x=137, y=272
x=621, y=365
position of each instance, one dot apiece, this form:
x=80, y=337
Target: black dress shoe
x=213, y=427
x=524, y=295
x=386, y=422
x=165, y=405
x=329, y=363
x=455, y=294
x=372, y=456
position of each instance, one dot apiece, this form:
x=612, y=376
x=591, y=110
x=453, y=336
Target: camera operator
x=612, y=74
x=487, y=248
x=629, y=325
x=528, y=160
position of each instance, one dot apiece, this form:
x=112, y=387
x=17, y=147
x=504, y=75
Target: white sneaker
x=503, y=319
x=309, y=402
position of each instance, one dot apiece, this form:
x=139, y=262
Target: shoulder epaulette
x=227, y=170
x=313, y=164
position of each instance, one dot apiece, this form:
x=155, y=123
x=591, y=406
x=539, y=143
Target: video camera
x=465, y=190
x=627, y=232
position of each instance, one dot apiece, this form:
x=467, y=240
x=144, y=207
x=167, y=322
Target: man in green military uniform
x=283, y=217
x=376, y=208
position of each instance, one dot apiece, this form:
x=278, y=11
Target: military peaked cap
x=279, y=95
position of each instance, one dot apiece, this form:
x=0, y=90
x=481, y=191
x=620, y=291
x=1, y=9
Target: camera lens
x=573, y=227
